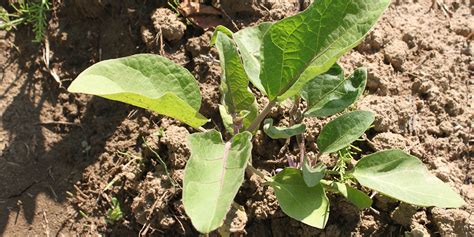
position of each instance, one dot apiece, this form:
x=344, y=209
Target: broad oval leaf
x=344, y=130
x=404, y=177
x=355, y=196
x=212, y=177
x=147, y=81
x=236, y=96
x=298, y=48
x=282, y=133
x=250, y=41
x=312, y=176
x=309, y=205
x=329, y=93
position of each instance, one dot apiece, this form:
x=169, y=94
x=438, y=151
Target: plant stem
x=256, y=123
x=252, y=170
x=332, y=172
x=296, y=118
x=302, y=146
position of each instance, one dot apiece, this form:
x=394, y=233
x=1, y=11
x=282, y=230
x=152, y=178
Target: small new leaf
x=404, y=177
x=212, y=177
x=309, y=205
x=221, y=29
x=236, y=96
x=115, y=212
x=148, y=81
x=329, y=93
x=344, y=130
x=282, y=133
x=312, y=176
x=355, y=196
x=227, y=119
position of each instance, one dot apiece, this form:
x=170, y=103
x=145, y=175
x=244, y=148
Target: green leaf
x=236, y=97
x=298, y=48
x=221, y=29
x=212, y=177
x=309, y=205
x=355, y=196
x=404, y=177
x=227, y=119
x=312, y=176
x=282, y=133
x=329, y=93
x=344, y=130
x=147, y=81
x=249, y=41
x=115, y=212
x=322, y=86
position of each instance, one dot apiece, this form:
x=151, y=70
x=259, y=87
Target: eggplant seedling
x=295, y=59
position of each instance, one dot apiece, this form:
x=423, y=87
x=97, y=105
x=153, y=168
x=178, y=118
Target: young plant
x=114, y=213
x=26, y=12
x=293, y=58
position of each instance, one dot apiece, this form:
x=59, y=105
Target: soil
x=63, y=157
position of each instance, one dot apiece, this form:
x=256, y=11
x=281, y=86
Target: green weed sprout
x=26, y=12
x=294, y=59
x=114, y=213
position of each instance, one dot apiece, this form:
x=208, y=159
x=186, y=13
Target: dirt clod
x=453, y=222
x=403, y=214
x=167, y=23
x=175, y=139
x=150, y=206
x=396, y=53
x=388, y=140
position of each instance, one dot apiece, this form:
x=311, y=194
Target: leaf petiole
x=256, y=122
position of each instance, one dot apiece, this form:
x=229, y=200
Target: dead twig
x=80, y=192
x=46, y=58
x=58, y=123
x=437, y=4
x=54, y=193
x=46, y=225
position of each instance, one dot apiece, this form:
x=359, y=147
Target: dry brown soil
x=63, y=157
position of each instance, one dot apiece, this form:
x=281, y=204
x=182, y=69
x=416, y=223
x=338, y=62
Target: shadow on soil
x=50, y=145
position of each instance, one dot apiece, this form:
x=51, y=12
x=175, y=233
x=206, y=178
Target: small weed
x=114, y=213
x=26, y=12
